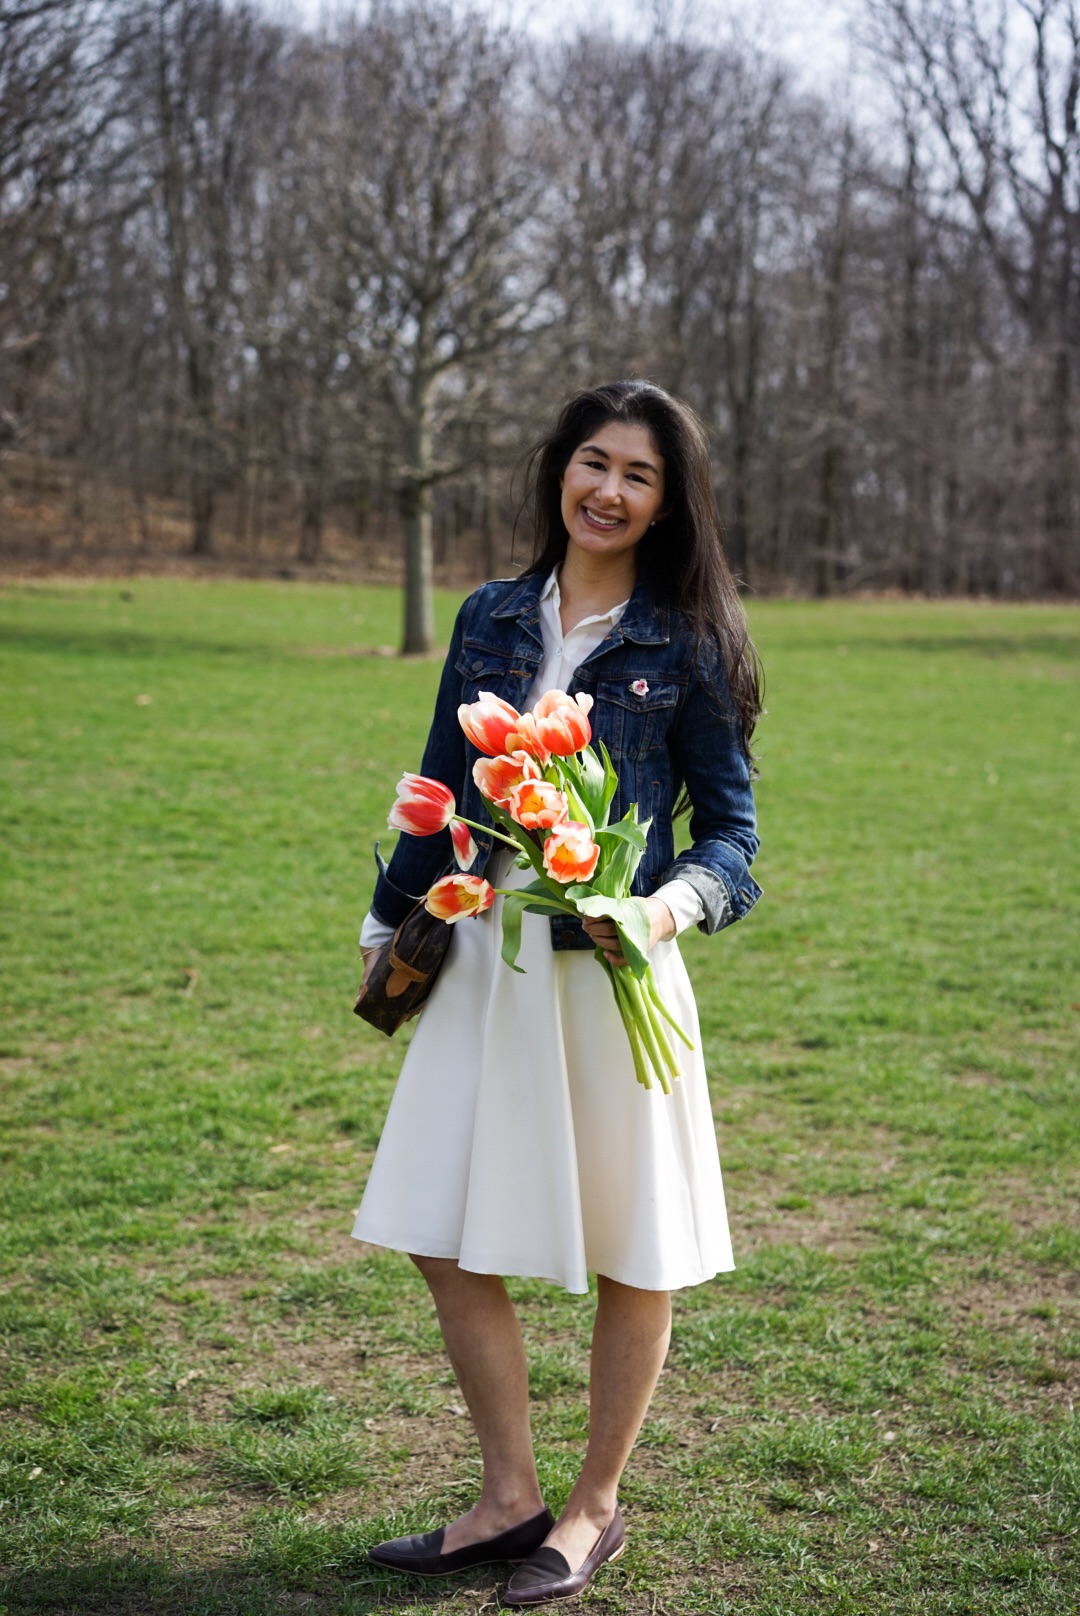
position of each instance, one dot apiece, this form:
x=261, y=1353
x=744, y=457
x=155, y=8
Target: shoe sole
x=411, y=1571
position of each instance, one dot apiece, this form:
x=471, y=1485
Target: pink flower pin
x=640, y=687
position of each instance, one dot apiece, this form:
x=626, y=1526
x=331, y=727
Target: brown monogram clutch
x=404, y=973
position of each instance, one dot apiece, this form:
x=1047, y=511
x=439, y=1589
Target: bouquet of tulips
x=549, y=795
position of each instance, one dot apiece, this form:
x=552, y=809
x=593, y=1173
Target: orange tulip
x=526, y=739
x=570, y=854
x=423, y=806
x=497, y=777
x=488, y=721
x=562, y=724
x=459, y=897
x=537, y=805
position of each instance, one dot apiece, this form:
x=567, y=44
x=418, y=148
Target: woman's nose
x=609, y=486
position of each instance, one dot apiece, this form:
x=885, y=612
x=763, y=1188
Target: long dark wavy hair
x=681, y=558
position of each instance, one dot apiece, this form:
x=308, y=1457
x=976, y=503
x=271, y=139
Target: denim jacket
x=678, y=727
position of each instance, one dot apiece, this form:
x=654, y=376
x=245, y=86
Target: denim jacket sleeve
x=708, y=758
x=418, y=861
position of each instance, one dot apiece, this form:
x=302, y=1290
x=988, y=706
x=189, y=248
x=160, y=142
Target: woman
x=518, y=1141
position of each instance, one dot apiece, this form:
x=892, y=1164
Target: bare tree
x=200, y=75
x=55, y=109
x=432, y=190
x=1000, y=85
x=336, y=277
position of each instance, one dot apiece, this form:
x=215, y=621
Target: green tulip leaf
x=631, y=919
x=513, y=909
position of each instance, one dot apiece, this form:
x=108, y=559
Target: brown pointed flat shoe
x=546, y=1575
x=422, y=1554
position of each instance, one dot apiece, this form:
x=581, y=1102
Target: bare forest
x=287, y=297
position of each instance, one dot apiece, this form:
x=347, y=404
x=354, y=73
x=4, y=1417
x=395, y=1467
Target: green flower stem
x=534, y=897
x=661, y=1026
x=569, y=784
x=489, y=830
x=655, y=1022
x=648, y=1034
x=630, y=1022
x=654, y=995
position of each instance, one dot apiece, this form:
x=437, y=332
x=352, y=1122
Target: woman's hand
x=603, y=933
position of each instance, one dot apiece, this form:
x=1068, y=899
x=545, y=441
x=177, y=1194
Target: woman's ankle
x=595, y=1504
x=513, y=1502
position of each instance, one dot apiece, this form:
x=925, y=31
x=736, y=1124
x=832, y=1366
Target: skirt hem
x=513, y=1269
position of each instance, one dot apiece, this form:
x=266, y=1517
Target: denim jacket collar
x=643, y=622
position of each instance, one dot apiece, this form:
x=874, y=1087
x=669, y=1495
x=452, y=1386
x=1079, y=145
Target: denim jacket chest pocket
x=505, y=671
x=633, y=713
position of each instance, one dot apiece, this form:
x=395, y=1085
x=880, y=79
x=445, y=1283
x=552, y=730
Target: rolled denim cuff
x=391, y=903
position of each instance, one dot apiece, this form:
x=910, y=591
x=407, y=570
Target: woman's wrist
x=662, y=925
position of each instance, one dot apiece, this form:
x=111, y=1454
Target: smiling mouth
x=606, y=522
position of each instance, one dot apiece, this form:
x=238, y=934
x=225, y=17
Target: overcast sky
x=812, y=34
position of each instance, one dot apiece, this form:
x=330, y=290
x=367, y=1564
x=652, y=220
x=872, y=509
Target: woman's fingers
x=605, y=936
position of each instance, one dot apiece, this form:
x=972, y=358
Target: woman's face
x=612, y=489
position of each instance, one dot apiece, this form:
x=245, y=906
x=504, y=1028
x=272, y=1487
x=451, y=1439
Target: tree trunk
x=202, y=469
x=739, y=537
x=487, y=524
x=834, y=331
x=311, y=513
x=202, y=507
x=825, y=551
x=1059, y=571
x=311, y=527
x=419, y=626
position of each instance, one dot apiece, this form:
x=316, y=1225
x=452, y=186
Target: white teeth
x=605, y=521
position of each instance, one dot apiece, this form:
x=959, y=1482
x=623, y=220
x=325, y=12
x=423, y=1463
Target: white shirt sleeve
x=684, y=903
x=376, y=933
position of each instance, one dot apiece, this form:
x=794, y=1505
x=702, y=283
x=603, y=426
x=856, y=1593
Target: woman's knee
x=631, y=1294
x=444, y=1273
x=435, y=1268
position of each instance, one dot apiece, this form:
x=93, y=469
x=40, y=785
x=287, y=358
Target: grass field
x=212, y=1399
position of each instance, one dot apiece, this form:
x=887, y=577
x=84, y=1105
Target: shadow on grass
x=142, y=1585
x=131, y=643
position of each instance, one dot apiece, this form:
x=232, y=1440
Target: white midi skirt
x=518, y=1139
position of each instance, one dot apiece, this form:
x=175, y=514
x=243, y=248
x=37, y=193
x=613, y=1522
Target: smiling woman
x=518, y=1141
x=612, y=493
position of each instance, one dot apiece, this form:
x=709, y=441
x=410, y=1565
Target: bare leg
x=483, y=1341
x=630, y=1342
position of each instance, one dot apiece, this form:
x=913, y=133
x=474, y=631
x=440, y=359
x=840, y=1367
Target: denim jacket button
x=476, y=667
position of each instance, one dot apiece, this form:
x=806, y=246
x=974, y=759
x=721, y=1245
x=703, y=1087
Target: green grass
x=211, y=1400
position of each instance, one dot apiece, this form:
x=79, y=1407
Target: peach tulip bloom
x=423, y=806
x=488, y=721
x=465, y=848
x=459, y=897
x=526, y=739
x=570, y=854
x=497, y=777
x=537, y=805
x=562, y=723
